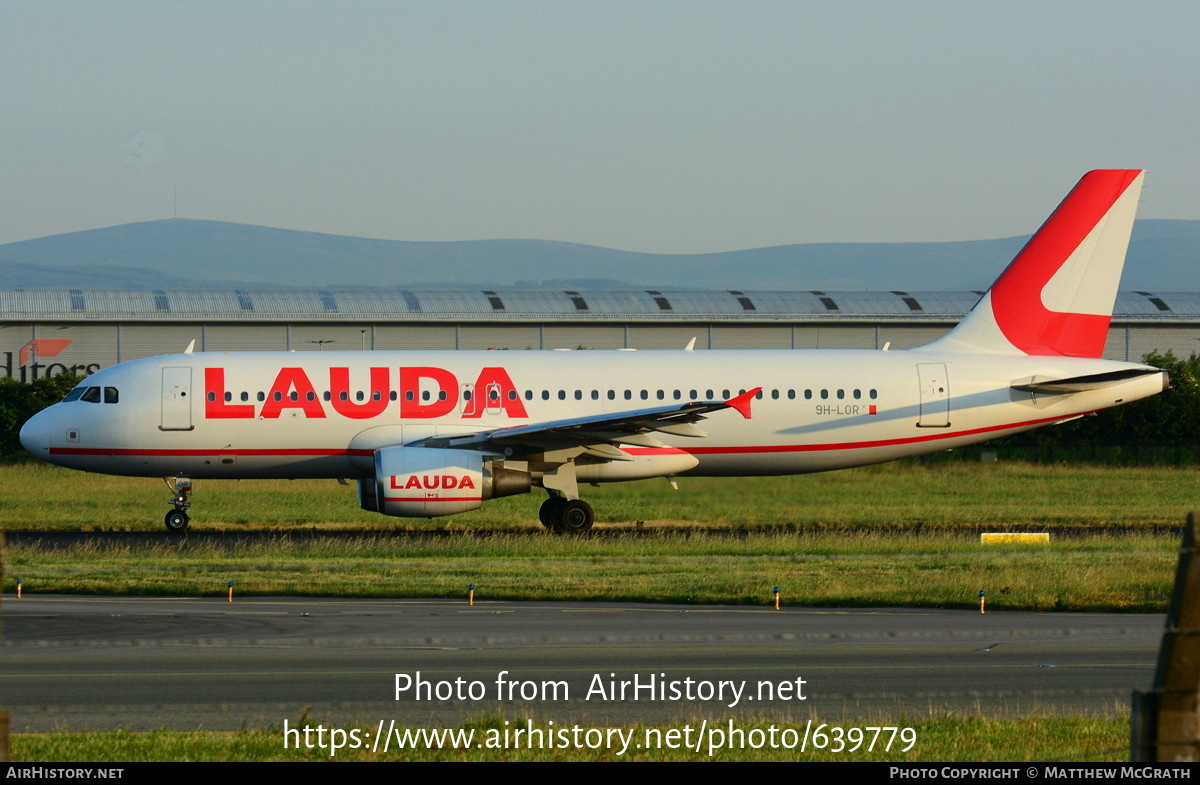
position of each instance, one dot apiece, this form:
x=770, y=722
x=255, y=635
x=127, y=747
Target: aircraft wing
x=597, y=434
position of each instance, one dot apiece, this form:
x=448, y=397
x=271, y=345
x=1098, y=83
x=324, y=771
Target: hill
x=178, y=253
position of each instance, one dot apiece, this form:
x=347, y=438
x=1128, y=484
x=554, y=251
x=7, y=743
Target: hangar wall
x=50, y=331
x=33, y=350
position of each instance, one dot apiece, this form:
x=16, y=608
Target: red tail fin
x=1056, y=296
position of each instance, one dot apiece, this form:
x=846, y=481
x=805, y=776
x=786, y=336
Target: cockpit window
x=94, y=394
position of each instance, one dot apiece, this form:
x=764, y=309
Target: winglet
x=742, y=402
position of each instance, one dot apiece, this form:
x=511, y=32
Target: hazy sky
x=673, y=127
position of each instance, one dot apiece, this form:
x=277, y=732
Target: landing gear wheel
x=176, y=520
x=550, y=513
x=575, y=517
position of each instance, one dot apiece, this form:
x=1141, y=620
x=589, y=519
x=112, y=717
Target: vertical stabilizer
x=1056, y=297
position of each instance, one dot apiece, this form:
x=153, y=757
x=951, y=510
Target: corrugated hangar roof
x=518, y=304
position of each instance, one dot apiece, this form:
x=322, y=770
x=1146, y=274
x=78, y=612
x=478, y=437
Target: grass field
x=898, y=534
x=908, y=494
x=1091, y=573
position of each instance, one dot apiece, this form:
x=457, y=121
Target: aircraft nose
x=35, y=435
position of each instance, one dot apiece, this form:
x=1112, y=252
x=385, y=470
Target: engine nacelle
x=420, y=482
x=427, y=482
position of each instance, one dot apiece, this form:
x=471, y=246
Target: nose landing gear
x=177, y=519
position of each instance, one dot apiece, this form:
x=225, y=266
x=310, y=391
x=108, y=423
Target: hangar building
x=46, y=331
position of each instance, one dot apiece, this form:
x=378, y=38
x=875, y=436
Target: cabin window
x=212, y=396
x=545, y=395
x=595, y=395
x=873, y=395
x=562, y=395
x=841, y=394
x=824, y=394
x=857, y=394
x=228, y=397
x=579, y=395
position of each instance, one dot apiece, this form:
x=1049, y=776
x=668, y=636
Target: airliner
x=427, y=434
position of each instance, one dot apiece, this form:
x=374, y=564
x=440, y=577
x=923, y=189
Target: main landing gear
x=177, y=519
x=566, y=516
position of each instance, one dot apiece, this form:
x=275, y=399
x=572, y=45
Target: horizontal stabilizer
x=1095, y=381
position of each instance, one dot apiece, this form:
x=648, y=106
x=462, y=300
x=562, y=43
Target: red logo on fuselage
x=417, y=393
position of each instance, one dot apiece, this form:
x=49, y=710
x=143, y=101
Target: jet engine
x=427, y=482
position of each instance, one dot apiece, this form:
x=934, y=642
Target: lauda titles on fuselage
x=405, y=391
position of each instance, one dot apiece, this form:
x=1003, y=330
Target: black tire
x=550, y=513
x=176, y=520
x=576, y=517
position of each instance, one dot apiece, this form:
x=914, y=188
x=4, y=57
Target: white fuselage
x=323, y=414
